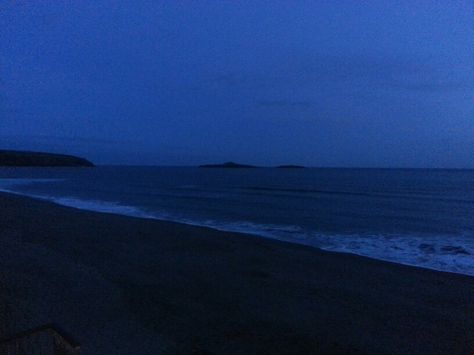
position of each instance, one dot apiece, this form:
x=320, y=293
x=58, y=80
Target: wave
x=7, y=184
x=450, y=253
x=355, y=193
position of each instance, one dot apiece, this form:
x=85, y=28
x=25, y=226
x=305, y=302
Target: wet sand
x=124, y=285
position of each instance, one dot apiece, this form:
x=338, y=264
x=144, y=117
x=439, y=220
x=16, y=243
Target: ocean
x=415, y=217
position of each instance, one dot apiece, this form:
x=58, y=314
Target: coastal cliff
x=36, y=159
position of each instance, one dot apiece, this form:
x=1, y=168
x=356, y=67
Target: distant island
x=228, y=165
x=290, y=167
x=37, y=159
x=232, y=165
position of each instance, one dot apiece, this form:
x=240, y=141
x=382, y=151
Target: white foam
x=101, y=206
x=6, y=184
x=450, y=253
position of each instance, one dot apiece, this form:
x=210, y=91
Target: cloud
x=284, y=104
x=317, y=71
x=432, y=86
x=59, y=139
x=68, y=141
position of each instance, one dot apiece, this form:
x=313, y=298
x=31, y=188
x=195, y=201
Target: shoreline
x=142, y=215
x=129, y=285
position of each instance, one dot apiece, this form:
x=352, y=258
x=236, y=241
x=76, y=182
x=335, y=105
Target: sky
x=317, y=83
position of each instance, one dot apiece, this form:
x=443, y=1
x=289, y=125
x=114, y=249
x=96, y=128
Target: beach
x=123, y=285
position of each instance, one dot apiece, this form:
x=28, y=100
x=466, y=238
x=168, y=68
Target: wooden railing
x=48, y=339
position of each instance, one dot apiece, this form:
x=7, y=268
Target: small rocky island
x=232, y=165
x=35, y=159
x=290, y=167
x=228, y=165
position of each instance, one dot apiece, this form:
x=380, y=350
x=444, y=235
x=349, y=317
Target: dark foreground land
x=129, y=286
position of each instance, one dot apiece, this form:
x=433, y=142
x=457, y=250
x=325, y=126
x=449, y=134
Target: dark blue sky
x=320, y=83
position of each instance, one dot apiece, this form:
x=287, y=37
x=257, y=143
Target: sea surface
x=415, y=217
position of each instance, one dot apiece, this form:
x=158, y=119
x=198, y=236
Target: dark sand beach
x=124, y=285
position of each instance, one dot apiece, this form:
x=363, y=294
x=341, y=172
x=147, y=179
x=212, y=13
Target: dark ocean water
x=415, y=217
